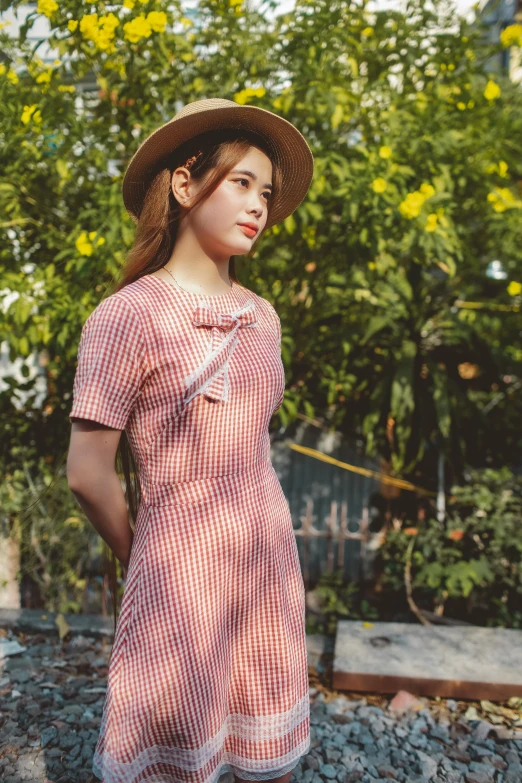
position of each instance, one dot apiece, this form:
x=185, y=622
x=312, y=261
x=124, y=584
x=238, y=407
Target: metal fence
x=332, y=509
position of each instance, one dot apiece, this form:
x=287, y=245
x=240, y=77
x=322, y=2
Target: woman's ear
x=180, y=185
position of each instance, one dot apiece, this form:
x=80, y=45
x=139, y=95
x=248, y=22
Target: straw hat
x=287, y=145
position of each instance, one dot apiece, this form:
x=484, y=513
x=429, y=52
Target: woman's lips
x=250, y=232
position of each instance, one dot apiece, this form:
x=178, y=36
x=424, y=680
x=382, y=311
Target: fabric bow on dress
x=211, y=377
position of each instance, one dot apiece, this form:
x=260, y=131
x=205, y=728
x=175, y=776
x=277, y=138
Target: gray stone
x=74, y=752
x=49, y=735
x=67, y=740
x=428, y=765
x=513, y=774
x=418, y=741
x=20, y=676
x=311, y=762
x=485, y=770
x=331, y=755
x=477, y=777
x=354, y=776
x=72, y=709
x=328, y=771
x=387, y=771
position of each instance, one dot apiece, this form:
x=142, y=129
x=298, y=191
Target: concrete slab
x=466, y=662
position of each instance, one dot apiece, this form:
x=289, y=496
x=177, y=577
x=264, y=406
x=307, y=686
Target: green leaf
x=377, y=323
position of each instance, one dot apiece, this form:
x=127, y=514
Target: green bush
x=59, y=548
x=471, y=565
x=337, y=601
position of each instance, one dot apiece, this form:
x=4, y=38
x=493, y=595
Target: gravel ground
x=51, y=699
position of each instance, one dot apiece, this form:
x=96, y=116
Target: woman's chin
x=240, y=248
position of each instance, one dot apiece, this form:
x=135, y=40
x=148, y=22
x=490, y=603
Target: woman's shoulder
x=128, y=304
x=264, y=305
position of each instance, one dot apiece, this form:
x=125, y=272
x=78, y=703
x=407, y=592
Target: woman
x=208, y=672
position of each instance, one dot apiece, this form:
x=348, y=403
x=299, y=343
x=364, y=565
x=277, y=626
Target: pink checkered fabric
x=219, y=348
x=208, y=672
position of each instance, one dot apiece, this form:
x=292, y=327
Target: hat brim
x=289, y=148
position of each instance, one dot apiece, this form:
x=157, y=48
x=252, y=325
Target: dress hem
x=226, y=766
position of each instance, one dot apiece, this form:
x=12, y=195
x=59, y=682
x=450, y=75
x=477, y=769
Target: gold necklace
x=191, y=292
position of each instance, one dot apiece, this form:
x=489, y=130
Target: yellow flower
x=109, y=22
x=157, y=21
x=511, y=35
x=4, y=24
x=136, y=29
x=451, y=67
x=514, y=288
x=367, y=31
x=47, y=7
x=491, y=91
x=443, y=221
x=92, y=235
x=66, y=88
x=84, y=243
x=244, y=96
x=72, y=24
x=100, y=30
x=113, y=65
x=3, y=69
x=89, y=25
x=128, y=4
x=431, y=222
x=471, y=104
x=83, y=246
x=502, y=199
x=12, y=76
x=233, y=3
x=412, y=204
x=379, y=185
x=31, y=113
x=470, y=54
x=461, y=106
x=427, y=190
x=502, y=168
x=385, y=152
x=44, y=77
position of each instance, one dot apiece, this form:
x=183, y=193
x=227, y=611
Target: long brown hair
x=214, y=154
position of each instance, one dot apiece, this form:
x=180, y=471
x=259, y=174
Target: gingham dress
x=208, y=672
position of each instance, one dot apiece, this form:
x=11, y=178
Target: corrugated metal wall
x=305, y=478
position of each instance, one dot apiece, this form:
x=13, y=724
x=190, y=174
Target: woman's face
x=241, y=197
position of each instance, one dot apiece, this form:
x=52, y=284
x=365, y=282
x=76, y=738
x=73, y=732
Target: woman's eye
x=267, y=193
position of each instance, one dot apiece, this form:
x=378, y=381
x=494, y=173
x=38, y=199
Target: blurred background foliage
x=393, y=326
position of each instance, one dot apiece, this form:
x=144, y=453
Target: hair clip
x=190, y=162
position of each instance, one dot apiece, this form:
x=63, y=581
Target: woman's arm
x=92, y=478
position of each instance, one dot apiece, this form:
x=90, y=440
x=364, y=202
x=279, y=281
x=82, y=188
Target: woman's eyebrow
x=250, y=174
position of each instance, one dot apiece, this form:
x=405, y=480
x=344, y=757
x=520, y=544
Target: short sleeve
x=111, y=364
